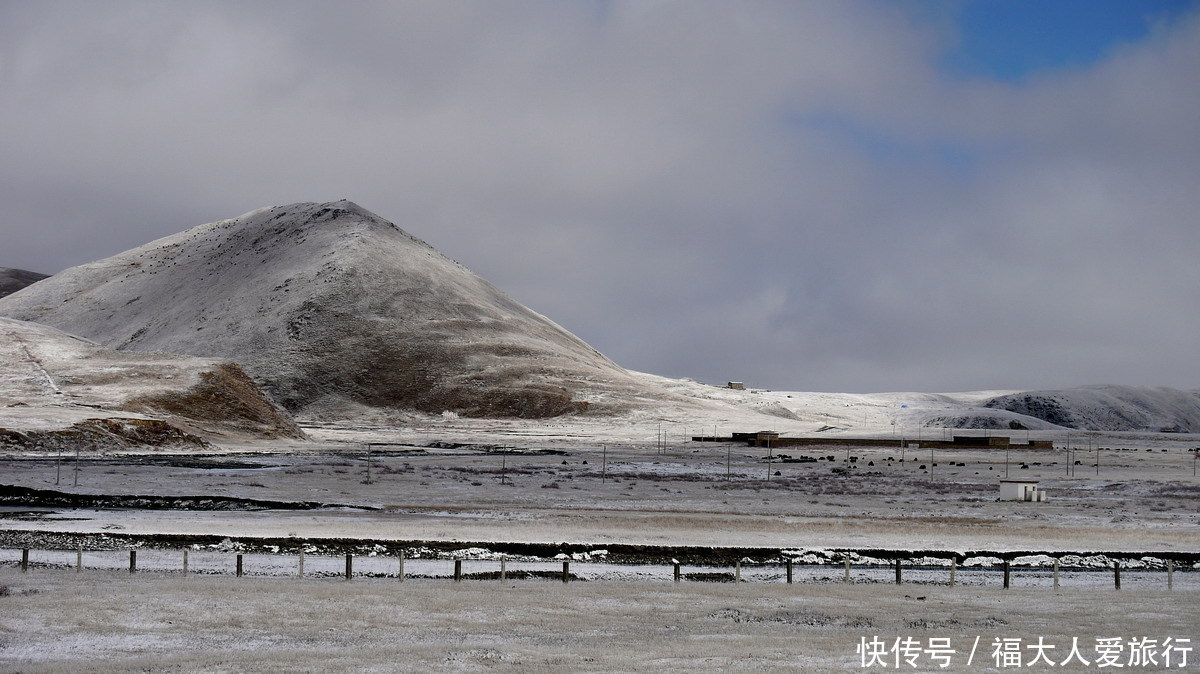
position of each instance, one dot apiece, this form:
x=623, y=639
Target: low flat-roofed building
x=1021, y=490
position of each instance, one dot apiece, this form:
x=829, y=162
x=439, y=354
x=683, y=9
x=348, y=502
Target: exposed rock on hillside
x=12, y=280
x=57, y=390
x=328, y=307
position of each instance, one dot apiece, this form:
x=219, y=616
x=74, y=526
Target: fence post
x=458, y=570
x=846, y=579
x=1117, y=573
x=566, y=572
x=185, y=561
x=1170, y=574
x=300, y=571
x=1006, y=573
x=676, y=572
x=349, y=565
x=239, y=565
x=953, y=568
x=503, y=572
x=789, y=572
x=1056, y=573
x=24, y=560
x=737, y=571
x=132, y=561
x=897, y=571
x=401, y=566
x=79, y=560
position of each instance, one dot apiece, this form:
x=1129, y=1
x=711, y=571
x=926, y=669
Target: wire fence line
x=1001, y=573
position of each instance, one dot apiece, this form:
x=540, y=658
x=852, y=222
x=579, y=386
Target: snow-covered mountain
x=1109, y=408
x=57, y=389
x=336, y=312
x=12, y=280
x=331, y=308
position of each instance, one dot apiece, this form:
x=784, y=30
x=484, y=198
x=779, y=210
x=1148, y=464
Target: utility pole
x=1071, y=456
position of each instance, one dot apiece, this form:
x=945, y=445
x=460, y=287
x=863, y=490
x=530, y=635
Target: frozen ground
x=595, y=484
x=592, y=483
x=113, y=622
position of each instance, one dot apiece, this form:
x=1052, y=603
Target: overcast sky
x=826, y=195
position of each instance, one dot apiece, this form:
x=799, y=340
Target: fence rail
x=208, y=562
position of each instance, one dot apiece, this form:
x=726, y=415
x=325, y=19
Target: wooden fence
x=499, y=570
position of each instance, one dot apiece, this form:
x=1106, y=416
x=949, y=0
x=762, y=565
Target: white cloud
x=788, y=193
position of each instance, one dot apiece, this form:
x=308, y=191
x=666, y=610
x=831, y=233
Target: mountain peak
x=305, y=212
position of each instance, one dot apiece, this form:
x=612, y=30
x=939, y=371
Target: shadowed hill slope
x=12, y=280
x=329, y=306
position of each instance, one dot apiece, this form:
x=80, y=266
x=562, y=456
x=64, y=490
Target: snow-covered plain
x=113, y=622
x=639, y=479
x=595, y=482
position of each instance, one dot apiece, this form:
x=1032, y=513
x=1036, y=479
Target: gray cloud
x=787, y=193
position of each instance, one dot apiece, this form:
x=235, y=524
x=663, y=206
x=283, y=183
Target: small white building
x=1021, y=490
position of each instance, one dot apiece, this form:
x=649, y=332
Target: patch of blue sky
x=884, y=147
x=1013, y=40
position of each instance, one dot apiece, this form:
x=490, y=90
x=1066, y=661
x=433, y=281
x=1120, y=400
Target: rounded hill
x=328, y=305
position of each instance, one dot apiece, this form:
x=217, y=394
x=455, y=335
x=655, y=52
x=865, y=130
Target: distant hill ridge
x=328, y=305
x=12, y=280
x=1109, y=408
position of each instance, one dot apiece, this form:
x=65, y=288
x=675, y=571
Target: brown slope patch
x=104, y=435
x=226, y=396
